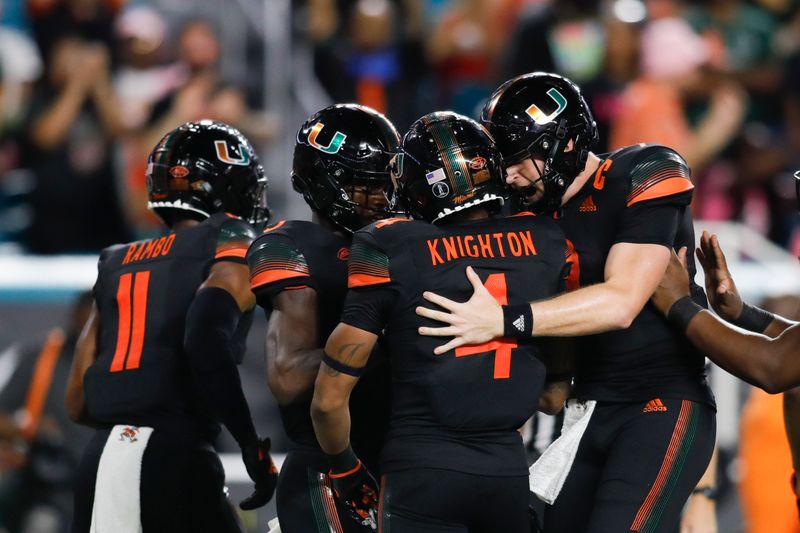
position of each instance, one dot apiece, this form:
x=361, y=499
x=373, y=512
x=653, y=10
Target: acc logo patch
x=179, y=171
x=224, y=154
x=477, y=163
x=343, y=254
x=538, y=115
x=334, y=145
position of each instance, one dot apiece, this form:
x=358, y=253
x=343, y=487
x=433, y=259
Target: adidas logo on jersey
x=654, y=406
x=587, y=206
x=519, y=323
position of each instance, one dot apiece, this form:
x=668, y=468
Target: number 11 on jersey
x=496, y=285
x=132, y=310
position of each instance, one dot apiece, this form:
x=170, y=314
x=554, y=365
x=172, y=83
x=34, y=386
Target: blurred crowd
x=88, y=86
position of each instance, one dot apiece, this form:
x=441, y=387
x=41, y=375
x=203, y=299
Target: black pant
x=426, y=500
x=635, y=468
x=182, y=487
x=304, y=499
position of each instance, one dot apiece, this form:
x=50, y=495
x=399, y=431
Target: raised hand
x=720, y=288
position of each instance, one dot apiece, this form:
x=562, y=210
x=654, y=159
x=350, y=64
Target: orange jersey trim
x=271, y=276
x=232, y=252
x=663, y=188
x=363, y=280
x=276, y=226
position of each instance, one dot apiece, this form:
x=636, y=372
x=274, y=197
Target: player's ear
x=570, y=145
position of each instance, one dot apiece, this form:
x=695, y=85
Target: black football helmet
x=337, y=149
x=534, y=116
x=448, y=163
x=205, y=167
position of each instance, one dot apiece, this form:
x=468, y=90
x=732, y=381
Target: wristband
x=517, y=321
x=353, y=371
x=344, y=463
x=683, y=311
x=753, y=318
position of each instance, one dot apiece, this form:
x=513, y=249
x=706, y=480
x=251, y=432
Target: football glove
x=262, y=471
x=357, y=491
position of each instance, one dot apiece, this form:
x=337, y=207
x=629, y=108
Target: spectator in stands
x=465, y=49
x=653, y=106
x=370, y=52
x=74, y=122
x=20, y=67
x=39, y=445
x=92, y=20
x=740, y=38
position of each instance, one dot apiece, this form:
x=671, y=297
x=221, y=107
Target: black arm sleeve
x=646, y=223
x=211, y=326
x=368, y=308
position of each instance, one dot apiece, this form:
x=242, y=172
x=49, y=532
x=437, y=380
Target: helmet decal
x=223, y=154
x=435, y=176
x=538, y=115
x=396, y=164
x=334, y=145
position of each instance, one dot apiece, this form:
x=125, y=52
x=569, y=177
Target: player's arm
x=293, y=351
x=559, y=359
x=346, y=354
x=366, y=310
x=85, y=355
x=281, y=279
x=209, y=340
x=769, y=363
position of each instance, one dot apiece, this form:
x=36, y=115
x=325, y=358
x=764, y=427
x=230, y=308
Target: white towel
x=116, y=492
x=547, y=475
x=273, y=526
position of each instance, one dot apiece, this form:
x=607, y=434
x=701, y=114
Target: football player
x=155, y=367
x=298, y=273
x=652, y=432
x=453, y=459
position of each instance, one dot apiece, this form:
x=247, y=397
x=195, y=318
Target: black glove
x=357, y=491
x=262, y=471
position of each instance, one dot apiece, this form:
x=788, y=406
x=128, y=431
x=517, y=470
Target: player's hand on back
x=674, y=285
x=262, y=470
x=720, y=288
x=478, y=320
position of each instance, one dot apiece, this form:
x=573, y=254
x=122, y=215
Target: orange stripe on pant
x=669, y=459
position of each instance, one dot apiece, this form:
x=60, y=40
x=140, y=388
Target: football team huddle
x=451, y=283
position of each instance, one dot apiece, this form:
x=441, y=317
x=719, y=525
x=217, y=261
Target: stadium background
x=718, y=80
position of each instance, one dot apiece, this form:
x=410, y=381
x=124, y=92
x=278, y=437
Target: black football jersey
x=639, y=194
x=143, y=292
x=458, y=411
x=297, y=254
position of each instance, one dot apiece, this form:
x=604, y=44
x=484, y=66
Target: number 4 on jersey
x=496, y=285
